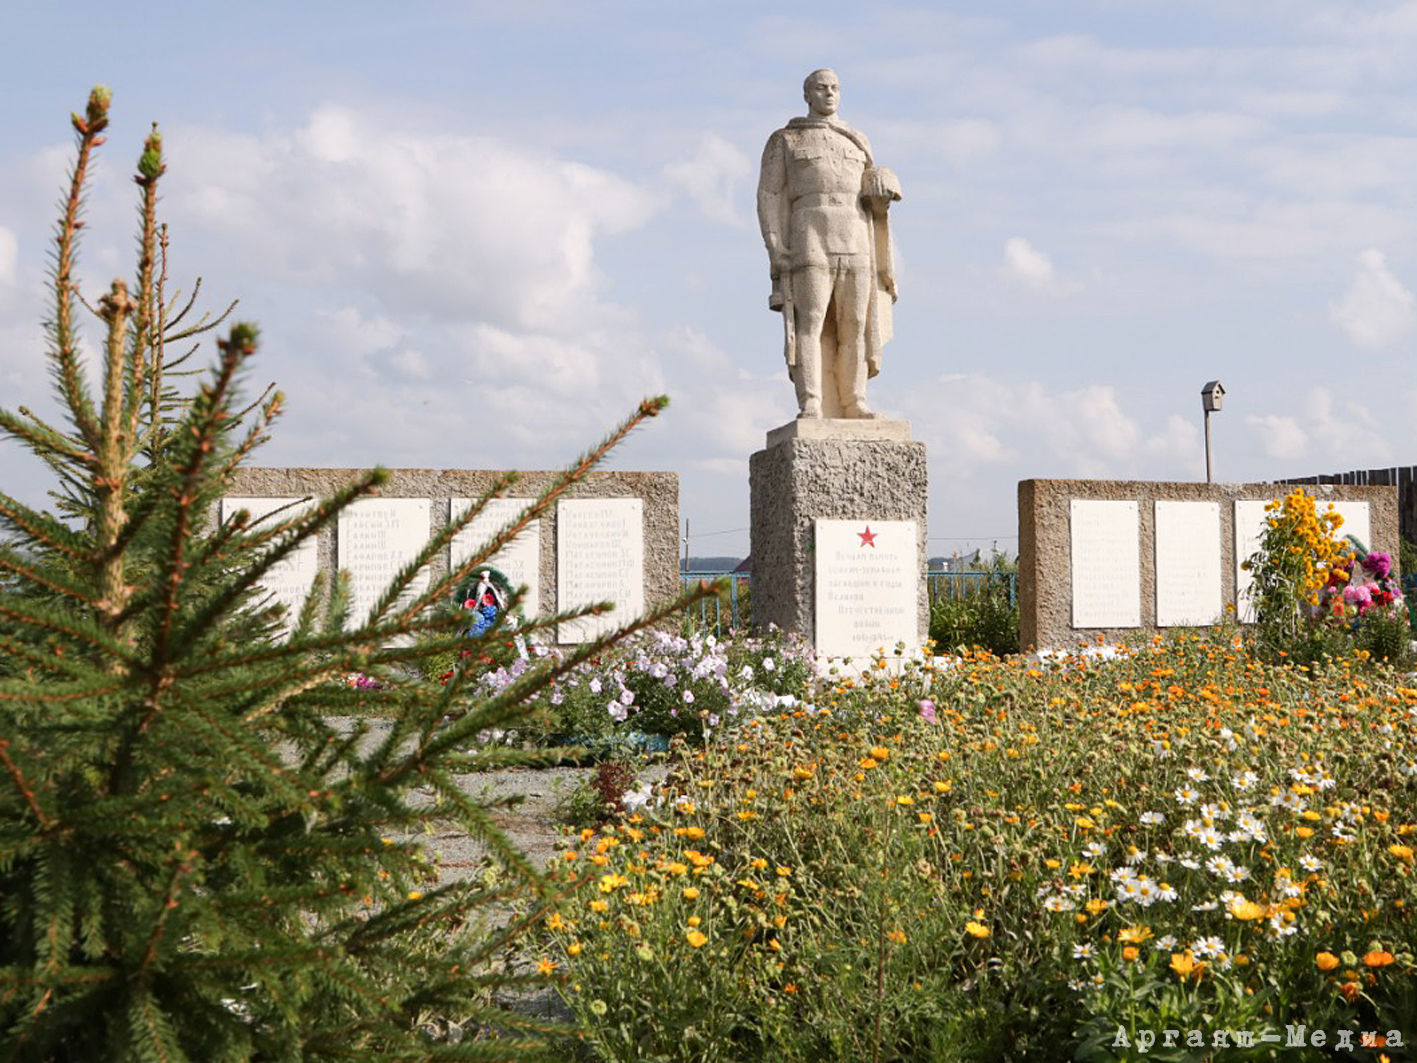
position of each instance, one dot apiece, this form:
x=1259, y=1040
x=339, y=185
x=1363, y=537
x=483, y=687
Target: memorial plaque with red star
x=868, y=575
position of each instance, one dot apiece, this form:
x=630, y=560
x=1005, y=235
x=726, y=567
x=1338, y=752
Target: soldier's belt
x=826, y=199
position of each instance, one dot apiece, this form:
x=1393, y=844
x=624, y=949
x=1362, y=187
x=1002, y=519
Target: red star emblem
x=868, y=537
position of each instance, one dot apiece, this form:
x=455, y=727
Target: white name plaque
x=600, y=557
x=1188, y=591
x=1106, y=563
x=377, y=538
x=1249, y=526
x=868, y=584
x=289, y=580
x=519, y=560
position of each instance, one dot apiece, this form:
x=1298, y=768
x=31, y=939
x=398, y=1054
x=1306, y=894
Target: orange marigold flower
x=1379, y=958
x=1326, y=961
x=697, y=938
x=1186, y=965
x=545, y=966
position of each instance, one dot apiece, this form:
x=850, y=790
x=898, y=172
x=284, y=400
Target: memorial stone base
x=864, y=472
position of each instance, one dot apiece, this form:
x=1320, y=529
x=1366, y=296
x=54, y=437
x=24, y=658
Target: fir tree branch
x=150, y=168
x=39, y=527
x=46, y=824
x=204, y=427
x=583, y=466
x=293, y=535
x=72, y=387
x=47, y=443
x=180, y=870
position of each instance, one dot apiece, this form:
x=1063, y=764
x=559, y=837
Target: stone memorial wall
x=1109, y=559
x=614, y=537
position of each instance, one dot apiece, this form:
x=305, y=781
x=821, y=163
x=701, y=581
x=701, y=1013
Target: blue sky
x=474, y=234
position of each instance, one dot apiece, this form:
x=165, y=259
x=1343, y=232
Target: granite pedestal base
x=832, y=469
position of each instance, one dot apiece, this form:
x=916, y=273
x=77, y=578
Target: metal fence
x=732, y=608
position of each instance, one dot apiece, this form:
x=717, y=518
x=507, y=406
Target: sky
x=474, y=235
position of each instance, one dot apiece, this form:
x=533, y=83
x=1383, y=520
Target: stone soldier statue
x=822, y=204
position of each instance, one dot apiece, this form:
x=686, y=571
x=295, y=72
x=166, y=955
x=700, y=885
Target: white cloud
x=1377, y=310
x=9, y=256
x=1024, y=426
x=454, y=226
x=1025, y=263
x=1280, y=437
x=711, y=177
x=1335, y=432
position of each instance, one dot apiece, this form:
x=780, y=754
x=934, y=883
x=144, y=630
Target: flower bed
x=1012, y=860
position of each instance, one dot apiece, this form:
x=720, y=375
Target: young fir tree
x=199, y=858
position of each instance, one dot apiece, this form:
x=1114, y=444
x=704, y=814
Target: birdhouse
x=1213, y=397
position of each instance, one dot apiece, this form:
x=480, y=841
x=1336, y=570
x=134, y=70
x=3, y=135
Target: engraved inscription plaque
x=519, y=560
x=600, y=557
x=1188, y=591
x=1249, y=526
x=1105, y=563
x=867, y=586
x=1356, y=521
x=290, y=579
x=377, y=537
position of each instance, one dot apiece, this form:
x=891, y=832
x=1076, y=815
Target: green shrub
x=982, y=613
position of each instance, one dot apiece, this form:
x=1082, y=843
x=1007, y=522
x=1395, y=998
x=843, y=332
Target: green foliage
x=208, y=846
x=979, y=612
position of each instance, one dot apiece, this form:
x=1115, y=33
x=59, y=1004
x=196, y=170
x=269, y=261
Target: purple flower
x=927, y=710
x=1359, y=595
x=1379, y=564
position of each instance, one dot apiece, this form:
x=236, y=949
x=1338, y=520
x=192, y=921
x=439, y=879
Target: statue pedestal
x=865, y=472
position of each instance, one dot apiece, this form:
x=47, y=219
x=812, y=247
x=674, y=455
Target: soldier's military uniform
x=831, y=257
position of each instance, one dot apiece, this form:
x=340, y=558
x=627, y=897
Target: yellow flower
x=905, y=799
x=610, y=883
x=1402, y=852
x=697, y=938
x=598, y=906
x=880, y=752
x=974, y=929
x=1326, y=961
x=1130, y=953
x=545, y=966
x=1134, y=935
x=897, y=935
x=415, y=895
x=1240, y=908
x=573, y=949
x=1186, y=965
x=691, y=893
